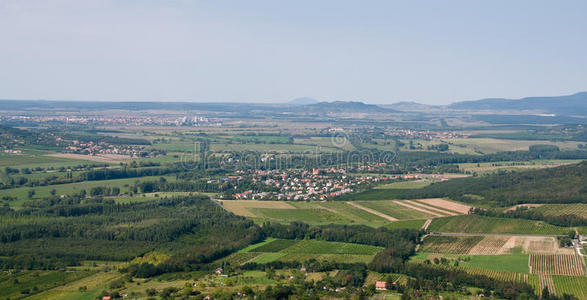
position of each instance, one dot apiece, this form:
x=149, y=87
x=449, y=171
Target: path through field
x=372, y=211
x=425, y=225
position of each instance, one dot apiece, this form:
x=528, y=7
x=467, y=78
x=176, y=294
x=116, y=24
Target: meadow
x=303, y=250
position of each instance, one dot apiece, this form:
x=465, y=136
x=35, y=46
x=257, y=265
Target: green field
x=517, y=263
x=345, y=211
x=574, y=285
x=406, y=224
x=393, y=210
x=44, y=191
x=413, y=184
x=303, y=250
x=579, y=209
x=24, y=283
x=479, y=224
x=311, y=216
x=450, y=244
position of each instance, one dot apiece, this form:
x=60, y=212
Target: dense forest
x=192, y=228
x=564, y=184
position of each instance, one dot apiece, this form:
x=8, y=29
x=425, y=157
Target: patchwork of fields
x=479, y=224
x=493, y=245
x=303, y=250
x=373, y=213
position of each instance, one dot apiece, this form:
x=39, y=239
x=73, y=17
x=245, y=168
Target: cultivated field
x=372, y=213
x=243, y=207
x=579, y=209
x=493, y=245
x=556, y=265
x=572, y=285
x=490, y=145
x=479, y=224
x=447, y=205
x=303, y=250
x=450, y=244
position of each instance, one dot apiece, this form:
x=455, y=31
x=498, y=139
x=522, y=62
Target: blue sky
x=433, y=52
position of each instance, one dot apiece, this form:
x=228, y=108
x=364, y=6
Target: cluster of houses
x=422, y=134
x=13, y=151
x=317, y=184
x=91, y=148
x=197, y=121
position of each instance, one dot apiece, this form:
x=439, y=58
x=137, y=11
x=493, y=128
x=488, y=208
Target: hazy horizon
x=267, y=52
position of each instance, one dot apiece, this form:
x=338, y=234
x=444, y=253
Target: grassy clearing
x=323, y=247
x=479, y=224
x=303, y=250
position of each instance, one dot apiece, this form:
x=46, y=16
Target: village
x=302, y=185
x=103, y=148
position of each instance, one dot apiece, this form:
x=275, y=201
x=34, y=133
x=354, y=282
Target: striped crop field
x=556, y=264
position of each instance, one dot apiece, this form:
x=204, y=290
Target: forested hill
x=564, y=184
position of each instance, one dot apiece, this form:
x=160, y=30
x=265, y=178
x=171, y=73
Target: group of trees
x=564, y=184
x=96, y=229
x=566, y=220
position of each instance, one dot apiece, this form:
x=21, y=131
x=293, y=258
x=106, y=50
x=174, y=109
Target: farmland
x=450, y=244
x=557, y=265
x=303, y=250
x=579, y=209
x=280, y=203
x=372, y=213
x=572, y=285
x=478, y=224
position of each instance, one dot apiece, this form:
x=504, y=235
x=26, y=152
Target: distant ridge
x=345, y=106
x=412, y=106
x=575, y=104
x=303, y=101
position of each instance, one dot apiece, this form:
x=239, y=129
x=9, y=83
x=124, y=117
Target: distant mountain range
x=571, y=106
x=298, y=106
x=575, y=104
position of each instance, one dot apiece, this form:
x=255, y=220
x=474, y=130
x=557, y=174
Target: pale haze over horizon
x=379, y=52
